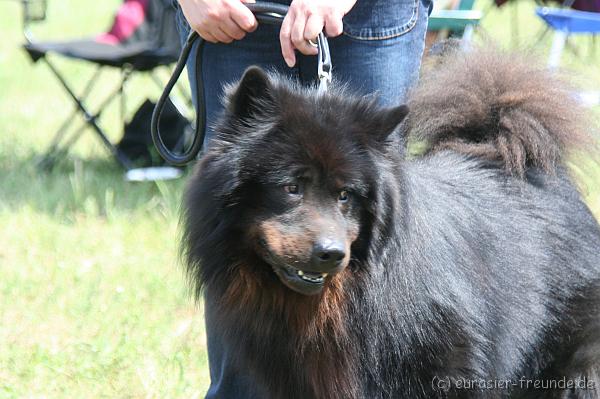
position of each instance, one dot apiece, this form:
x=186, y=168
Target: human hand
x=305, y=20
x=219, y=20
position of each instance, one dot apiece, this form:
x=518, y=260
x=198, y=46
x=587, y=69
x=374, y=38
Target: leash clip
x=324, y=63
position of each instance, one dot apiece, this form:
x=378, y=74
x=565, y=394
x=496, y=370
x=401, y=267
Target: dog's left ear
x=252, y=95
x=388, y=121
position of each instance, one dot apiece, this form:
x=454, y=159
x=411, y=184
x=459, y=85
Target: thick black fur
x=477, y=261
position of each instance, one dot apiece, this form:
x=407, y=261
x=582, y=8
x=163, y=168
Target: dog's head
x=297, y=170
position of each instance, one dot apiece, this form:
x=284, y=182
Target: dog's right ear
x=252, y=95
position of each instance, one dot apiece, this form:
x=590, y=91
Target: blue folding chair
x=567, y=22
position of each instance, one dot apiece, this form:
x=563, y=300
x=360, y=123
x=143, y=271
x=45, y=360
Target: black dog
x=336, y=266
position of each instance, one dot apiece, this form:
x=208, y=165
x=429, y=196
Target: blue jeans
x=379, y=52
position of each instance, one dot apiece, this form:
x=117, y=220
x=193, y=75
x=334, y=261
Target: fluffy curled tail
x=498, y=106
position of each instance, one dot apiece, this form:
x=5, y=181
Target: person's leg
x=223, y=64
x=384, y=60
x=379, y=52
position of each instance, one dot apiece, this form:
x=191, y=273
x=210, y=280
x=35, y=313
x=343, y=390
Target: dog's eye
x=343, y=196
x=292, y=189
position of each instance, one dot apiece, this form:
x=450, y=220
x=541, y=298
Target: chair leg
x=58, y=150
x=125, y=75
x=55, y=148
x=91, y=120
x=467, y=37
x=558, y=44
x=49, y=159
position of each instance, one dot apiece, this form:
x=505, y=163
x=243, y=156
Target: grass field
x=93, y=301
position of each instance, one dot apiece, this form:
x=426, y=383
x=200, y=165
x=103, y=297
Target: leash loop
x=265, y=12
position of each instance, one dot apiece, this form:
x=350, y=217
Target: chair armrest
x=455, y=20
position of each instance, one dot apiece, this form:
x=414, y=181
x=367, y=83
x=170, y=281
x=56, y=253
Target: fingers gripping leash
x=265, y=12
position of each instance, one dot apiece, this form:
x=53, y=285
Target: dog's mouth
x=297, y=278
x=301, y=281
x=308, y=277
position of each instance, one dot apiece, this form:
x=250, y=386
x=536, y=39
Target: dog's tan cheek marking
x=271, y=233
x=290, y=246
x=296, y=247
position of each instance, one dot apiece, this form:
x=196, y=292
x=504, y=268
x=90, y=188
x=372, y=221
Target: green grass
x=94, y=303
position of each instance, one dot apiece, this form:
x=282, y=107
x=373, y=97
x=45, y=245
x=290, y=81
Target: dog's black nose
x=327, y=255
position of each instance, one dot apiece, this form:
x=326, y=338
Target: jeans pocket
x=381, y=19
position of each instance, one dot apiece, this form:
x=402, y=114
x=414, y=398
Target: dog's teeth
x=312, y=279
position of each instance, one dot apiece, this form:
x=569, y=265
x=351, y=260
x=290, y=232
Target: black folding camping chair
x=142, y=38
